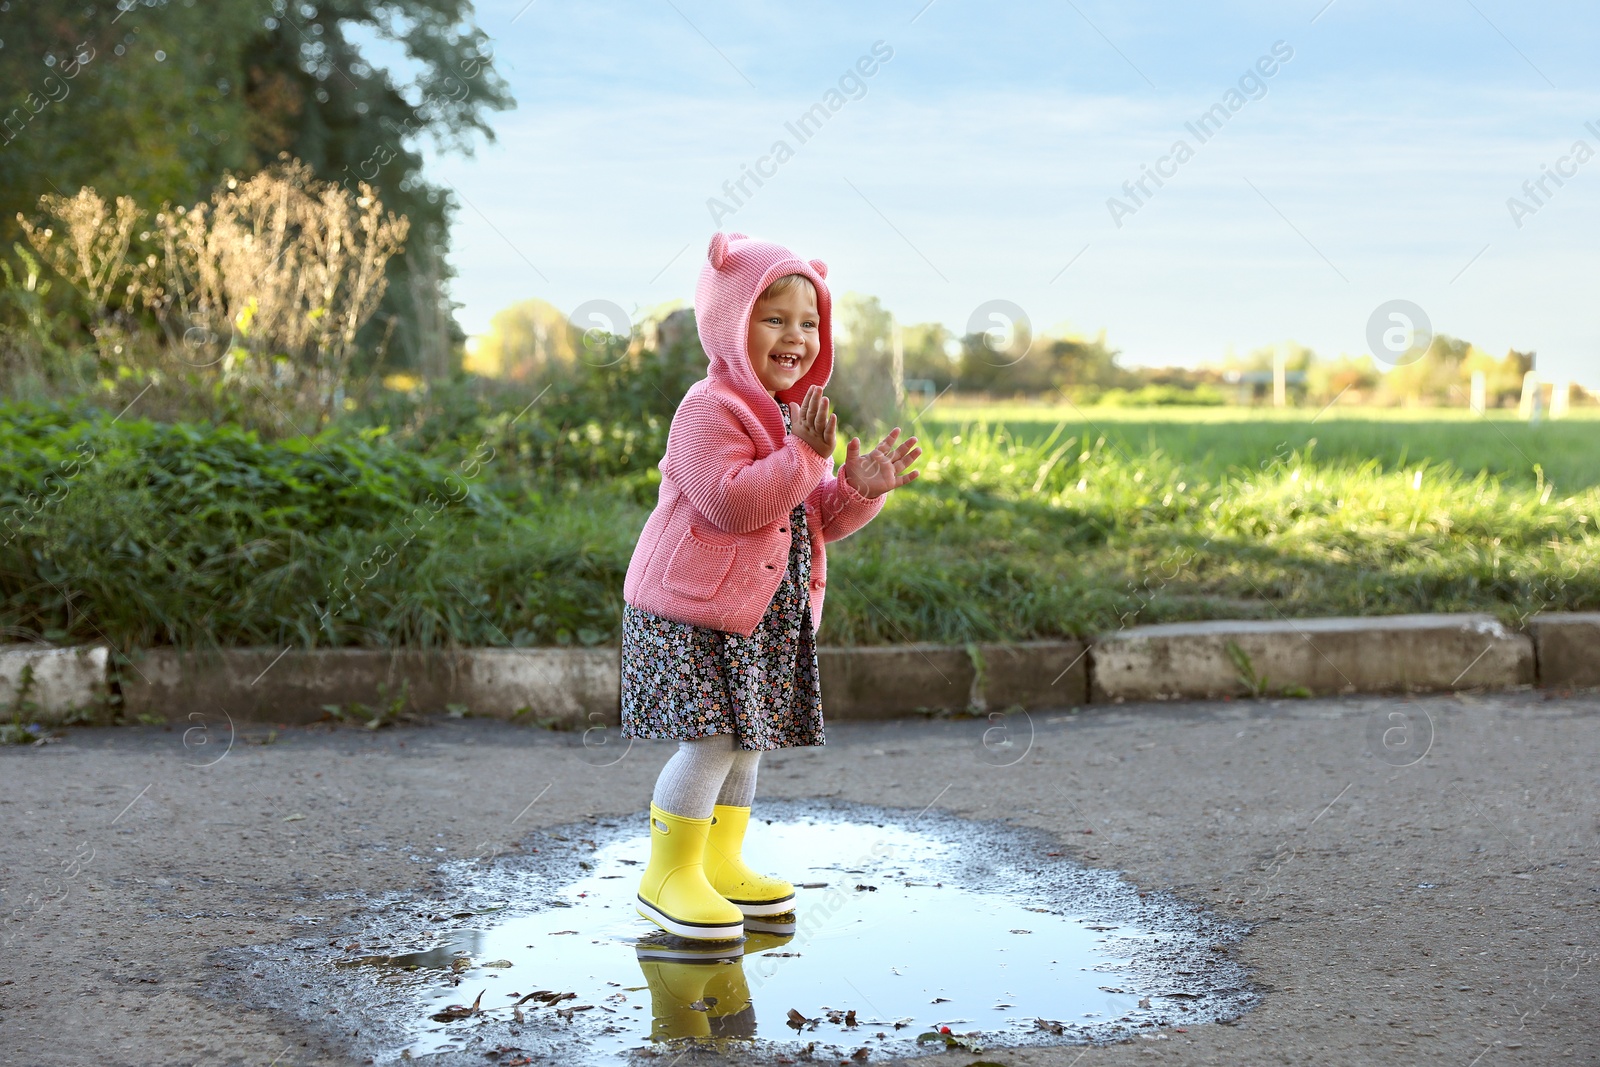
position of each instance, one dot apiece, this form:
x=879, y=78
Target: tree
x=528, y=341
x=926, y=347
x=1432, y=375
x=156, y=101
x=863, y=388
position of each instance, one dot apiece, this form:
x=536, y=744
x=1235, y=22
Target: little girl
x=724, y=591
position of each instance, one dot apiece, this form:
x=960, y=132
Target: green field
x=1216, y=439
x=1032, y=522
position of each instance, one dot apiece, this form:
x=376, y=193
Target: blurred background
x=362, y=324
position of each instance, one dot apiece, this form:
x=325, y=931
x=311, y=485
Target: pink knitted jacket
x=714, y=550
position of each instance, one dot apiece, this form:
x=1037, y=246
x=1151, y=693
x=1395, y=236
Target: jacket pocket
x=697, y=568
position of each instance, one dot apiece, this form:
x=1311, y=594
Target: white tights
x=705, y=772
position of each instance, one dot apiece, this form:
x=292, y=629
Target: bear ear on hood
x=717, y=253
x=820, y=267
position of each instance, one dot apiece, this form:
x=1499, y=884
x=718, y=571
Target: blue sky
x=977, y=162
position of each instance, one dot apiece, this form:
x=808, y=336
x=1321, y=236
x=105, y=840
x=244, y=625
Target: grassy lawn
x=1036, y=521
x=1216, y=439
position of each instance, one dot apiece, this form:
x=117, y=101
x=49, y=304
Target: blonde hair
x=781, y=286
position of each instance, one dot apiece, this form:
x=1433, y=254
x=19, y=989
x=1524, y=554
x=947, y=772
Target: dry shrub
x=265, y=286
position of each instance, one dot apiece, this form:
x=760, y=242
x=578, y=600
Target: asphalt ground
x=1420, y=874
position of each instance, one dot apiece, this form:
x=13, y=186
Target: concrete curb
x=66, y=681
x=1568, y=649
x=890, y=681
x=1394, y=653
x=579, y=688
x=552, y=686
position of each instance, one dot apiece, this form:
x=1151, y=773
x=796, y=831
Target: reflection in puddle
x=899, y=931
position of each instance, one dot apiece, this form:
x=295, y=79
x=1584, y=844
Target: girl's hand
x=812, y=422
x=882, y=469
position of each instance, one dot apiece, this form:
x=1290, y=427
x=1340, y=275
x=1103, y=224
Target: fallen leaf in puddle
x=566, y=1013
x=813, y=885
x=868, y=888
x=1144, y=1002
x=703, y=1004
x=780, y=953
x=498, y=963
x=799, y=1021
x=1022, y=931
x=458, y=1011
x=1049, y=1025
x=940, y=1000
x=556, y=933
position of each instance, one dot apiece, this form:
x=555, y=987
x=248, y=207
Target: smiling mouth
x=788, y=360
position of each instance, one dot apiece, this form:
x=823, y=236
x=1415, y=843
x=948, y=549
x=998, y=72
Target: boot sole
x=764, y=907
x=708, y=954
x=785, y=927
x=693, y=931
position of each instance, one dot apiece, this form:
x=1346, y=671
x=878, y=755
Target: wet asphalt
x=1418, y=876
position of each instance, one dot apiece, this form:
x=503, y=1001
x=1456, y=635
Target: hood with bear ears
x=736, y=271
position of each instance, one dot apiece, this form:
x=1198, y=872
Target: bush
x=149, y=534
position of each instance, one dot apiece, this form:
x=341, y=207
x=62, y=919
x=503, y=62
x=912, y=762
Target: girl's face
x=783, y=341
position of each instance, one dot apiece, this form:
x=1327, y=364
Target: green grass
x=1218, y=439
x=1027, y=531
x=199, y=535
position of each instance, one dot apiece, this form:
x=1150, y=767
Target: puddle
x=903, y=926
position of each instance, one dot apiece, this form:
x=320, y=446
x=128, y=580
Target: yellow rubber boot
x=674, y=893
x=677, y=992
x=677, y=1009
x=729, y=1012
x=751, y=893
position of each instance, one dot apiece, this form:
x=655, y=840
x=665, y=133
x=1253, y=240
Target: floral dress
x=683, y=681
